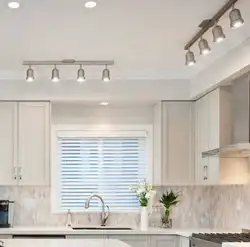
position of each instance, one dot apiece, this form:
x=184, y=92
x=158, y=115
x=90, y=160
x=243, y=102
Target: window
x=107, y=163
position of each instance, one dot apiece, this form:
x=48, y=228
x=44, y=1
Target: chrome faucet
x=104, y=215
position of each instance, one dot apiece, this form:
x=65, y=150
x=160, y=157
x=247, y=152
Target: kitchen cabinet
x=34, y=143
x=162, y=241
x=133, y=240
x=8, y=143
x=25, y=131
x=173, y=144
x=213, y=130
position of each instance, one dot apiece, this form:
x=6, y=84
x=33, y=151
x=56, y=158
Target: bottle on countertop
x=69, y=219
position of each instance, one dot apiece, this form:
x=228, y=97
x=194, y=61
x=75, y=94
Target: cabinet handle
x=20, y=172
x=205, y=177
x=15, y=172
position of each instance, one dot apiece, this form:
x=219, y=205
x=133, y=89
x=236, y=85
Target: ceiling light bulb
x=106, y=74
x=218, y=34
x=80, y=75
x=236, y=19
x=204, y=47
x=104, y=103
x=190, y=58
x=55, y=75
x=14, y=4
x=30, y=75
x=90, y=4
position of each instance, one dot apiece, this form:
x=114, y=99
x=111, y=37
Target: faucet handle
x=106, y=215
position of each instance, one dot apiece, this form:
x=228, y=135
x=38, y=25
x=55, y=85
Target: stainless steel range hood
x=240, y=146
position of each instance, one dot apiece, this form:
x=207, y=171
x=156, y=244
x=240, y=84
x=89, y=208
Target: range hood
x=240, y=138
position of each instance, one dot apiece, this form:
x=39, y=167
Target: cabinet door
x=34, y=144
x=8, y=133
x=178, y=165
x=133, y=240
x=162, y=241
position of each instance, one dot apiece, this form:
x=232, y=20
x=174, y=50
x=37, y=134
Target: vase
x=144, y=218
x=166, y=221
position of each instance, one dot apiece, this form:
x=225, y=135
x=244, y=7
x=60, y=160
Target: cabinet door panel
x=34, y=120
x=8, y=133
x=178, y=165
x=162, y=241
x=133, y=240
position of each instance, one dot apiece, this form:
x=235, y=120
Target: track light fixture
x=106, y=74
x=236, y=21
x=55, y=75
x=190, y=58
x=81, y=75
x=30, y=74
x=218, y=34
x=204, y=47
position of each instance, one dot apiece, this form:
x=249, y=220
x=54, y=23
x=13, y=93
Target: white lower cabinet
x=162, y=241
x=87, y=236
x=133, y=240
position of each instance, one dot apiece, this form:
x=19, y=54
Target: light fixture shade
x=106, y=74
x=55, y=75
x=14, y=4
x=204, y=47
x=218, y=34
x=190, y=58
x=236, y=19
x=30, y=75
x=80, y=75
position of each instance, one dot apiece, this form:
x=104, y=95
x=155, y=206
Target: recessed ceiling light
x=104, y=103
x=90, y=4
x=14, y=4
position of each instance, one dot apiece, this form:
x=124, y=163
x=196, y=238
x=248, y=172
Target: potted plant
x=169, y=200
x=144, y=192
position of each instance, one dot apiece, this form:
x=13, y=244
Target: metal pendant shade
x=81, y=75
x=55, y=75
x=236, y=19
x=30, y=75
x=218, y=34
x=106, y=74
x=204, y=47
x=190, y=58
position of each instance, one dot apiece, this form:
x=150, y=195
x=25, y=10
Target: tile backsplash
x=200, y=207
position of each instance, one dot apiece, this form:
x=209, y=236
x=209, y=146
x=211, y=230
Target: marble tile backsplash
x=200, y=207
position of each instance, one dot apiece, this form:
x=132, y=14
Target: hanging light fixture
x=204, y=47
x=55, y=75
x=30, y=74
x=190, y=58
x=106, y=74
x=236, y=19
x=218, y=34
x=81, y=75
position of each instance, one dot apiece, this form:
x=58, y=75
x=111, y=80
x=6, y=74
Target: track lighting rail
x=207, y=24
x=72, y=62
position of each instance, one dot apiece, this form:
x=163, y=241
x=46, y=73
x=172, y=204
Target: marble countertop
x=240, y=244
x=69, y=231
x=64, y=243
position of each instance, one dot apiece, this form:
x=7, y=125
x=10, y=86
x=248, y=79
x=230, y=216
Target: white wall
x=80, y=114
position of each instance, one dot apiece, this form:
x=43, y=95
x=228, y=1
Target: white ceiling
x=144, y=37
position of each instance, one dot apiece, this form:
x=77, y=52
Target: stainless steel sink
x=101, y=228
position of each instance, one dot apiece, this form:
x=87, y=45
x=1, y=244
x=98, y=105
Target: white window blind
x=107, y=166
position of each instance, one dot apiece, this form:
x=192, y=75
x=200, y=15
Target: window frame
x=55, y=170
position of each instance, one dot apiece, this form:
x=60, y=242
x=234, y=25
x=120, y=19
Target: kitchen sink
x=101, y=228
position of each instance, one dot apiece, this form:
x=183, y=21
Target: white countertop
x=68, y=231
x=64, y=243
x=240, y=244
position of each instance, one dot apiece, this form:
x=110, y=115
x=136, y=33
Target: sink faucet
x=104, y=215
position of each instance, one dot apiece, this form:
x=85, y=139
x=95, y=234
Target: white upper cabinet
x=8, y=149
x=213, y=130
x=173, y=144
x=25, y=143
x=34, y=143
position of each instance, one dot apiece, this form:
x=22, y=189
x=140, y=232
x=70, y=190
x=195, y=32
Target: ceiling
x=144, y=37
